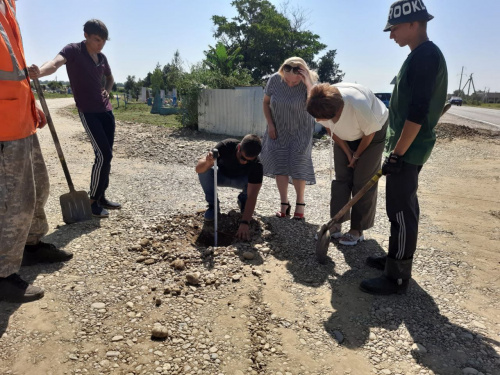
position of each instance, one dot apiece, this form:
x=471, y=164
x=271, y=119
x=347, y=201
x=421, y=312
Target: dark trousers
x=100, y=128
x=403, y=211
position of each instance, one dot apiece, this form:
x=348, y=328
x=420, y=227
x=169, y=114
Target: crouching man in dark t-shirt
x=238, y=167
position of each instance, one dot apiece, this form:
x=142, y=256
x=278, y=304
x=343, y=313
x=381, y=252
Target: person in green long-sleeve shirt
x=414, y=110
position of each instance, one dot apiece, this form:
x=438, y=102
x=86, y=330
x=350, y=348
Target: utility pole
x=460, y=84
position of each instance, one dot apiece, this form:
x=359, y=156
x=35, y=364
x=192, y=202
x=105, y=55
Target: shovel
x=75, y=205
x=324, y=233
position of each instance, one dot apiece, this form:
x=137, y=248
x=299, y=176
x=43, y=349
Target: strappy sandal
x=298, y=216
x=287, y=211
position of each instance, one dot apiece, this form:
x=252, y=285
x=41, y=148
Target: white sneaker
x=350, y=239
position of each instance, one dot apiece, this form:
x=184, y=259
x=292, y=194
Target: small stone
x=470, y=371
x=73, y=357
x=144, y=242
x=193, y=278
x=372, y=336
x=339, y=337
x=178, y=264
x=236, y=278
x=117, y=338
x=112, y=354
x=257, y=273
x=157, y=301
x=159, y=332
x=149, y=261
x=248, y=255
x=98, y=305
x=418, y=348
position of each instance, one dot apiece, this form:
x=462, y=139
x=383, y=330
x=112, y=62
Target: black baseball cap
x=407, y=11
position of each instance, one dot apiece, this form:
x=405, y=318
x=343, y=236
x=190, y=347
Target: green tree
x=220, y=59
x=173, y=71
x=157, y=82
x=266, y=37
x=55, y=85
x=131, y=87
x=328, y=70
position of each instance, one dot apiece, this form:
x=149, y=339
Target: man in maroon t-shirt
x=86, y=66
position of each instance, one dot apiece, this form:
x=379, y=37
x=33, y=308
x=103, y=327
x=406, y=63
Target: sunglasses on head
x=295, y=69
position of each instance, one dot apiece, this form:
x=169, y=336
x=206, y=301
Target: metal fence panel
x=233, y=112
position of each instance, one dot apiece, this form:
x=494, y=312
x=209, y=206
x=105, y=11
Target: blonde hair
x=297, y=61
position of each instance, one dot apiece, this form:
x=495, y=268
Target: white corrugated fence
x=234, y=112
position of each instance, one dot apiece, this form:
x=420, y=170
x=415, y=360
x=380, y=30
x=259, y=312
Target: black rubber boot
x=44, y=253
x=109, y=204
x=395, y=279
x=15, y=289
x=377, y=262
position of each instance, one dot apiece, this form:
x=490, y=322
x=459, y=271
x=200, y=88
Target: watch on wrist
x=244, y=222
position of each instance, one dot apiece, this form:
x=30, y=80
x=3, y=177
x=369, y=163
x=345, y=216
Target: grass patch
x=140, y=113
x=485, y=105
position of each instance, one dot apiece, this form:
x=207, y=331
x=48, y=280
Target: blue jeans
x=207, y=183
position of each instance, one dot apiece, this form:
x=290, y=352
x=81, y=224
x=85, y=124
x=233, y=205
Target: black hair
x=96, y=27
x=251, y=145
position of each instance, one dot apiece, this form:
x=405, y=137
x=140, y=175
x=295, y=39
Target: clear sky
x=146, y=32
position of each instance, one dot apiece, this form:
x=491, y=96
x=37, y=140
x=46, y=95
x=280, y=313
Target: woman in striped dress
x=287, y=144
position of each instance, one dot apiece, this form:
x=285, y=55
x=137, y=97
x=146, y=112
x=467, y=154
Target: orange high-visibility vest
x=18, y=117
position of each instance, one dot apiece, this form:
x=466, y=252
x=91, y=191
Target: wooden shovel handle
x=354, y=199
x=53, y=132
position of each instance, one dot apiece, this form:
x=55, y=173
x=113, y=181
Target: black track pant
x=403, y=211
x=100, y=128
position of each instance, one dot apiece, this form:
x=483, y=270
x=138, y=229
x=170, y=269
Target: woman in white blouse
x=357, y=122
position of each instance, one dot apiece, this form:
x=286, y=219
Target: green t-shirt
x=419, y=96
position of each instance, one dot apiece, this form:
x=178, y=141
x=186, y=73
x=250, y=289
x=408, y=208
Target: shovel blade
x=322, y=244
x=75, y=207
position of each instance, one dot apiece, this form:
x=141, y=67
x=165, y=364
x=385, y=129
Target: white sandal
x=350, y=239
x=335, y=232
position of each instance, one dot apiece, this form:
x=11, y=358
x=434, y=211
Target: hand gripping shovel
x=75, y=205
x=324, y=232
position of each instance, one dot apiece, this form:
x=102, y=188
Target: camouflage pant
x=24, y=189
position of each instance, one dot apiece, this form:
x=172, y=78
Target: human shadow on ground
x=449, y=347
x=64, y=234
x=61, y=237
x=293, y=241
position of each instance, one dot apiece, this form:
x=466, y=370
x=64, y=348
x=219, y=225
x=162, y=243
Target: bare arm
x=343, y=145
x=205, y=163
x=408, y=135
x=252, y=191
x=108, y=85
x=365, y=142
x=47, y=68
x=266, y=107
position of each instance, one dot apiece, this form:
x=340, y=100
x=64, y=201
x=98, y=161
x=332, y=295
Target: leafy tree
x=55, y=85
x=328, y=70
x=157, y=82
x=132, y=87
x=115, y=87
x=220, y=59
x=266, y=36
x=172, y=72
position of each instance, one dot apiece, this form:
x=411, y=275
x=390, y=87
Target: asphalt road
x=489, y=117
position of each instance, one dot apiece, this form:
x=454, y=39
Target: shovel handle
x=45, y=108
x=354, y=199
